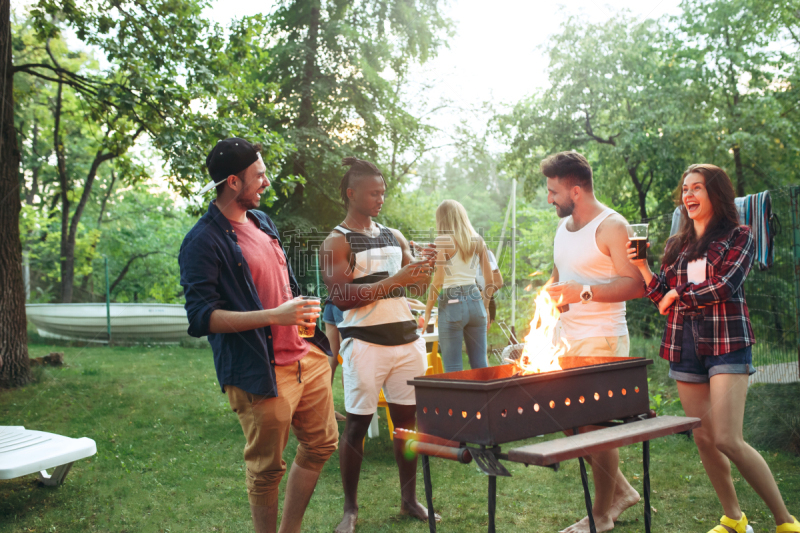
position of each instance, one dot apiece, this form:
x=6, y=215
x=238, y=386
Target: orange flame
x=542, y=350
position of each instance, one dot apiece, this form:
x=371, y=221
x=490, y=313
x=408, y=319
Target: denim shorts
x=331, y=314
x=695, y=368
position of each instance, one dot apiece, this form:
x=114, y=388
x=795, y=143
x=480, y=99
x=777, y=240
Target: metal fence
x=773, y=296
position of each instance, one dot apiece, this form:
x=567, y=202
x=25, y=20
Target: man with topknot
x=367, y=268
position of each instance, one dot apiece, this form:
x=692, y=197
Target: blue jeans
x=695, y=368
x=462, y=317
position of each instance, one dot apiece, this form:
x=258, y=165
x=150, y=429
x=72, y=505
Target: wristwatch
x=586, y=294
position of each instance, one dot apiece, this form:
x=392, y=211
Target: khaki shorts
x=600, y=347
x=367, y=368
x=304, y=403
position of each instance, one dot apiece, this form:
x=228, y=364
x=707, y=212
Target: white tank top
x=578, y=258
x=458, y=272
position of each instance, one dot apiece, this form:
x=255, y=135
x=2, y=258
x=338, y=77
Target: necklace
x=369, y=231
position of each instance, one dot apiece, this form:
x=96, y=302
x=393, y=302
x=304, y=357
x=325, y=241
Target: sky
x=496, y=55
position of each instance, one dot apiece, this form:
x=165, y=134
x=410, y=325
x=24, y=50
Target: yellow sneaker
x=739, y=526
x=789, y=527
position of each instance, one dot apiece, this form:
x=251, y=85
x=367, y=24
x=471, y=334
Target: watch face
x=585, y=296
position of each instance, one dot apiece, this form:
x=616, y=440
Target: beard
x=247, y=203
x=564, y=211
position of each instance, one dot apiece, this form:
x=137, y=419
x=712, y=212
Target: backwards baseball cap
x=229, y=156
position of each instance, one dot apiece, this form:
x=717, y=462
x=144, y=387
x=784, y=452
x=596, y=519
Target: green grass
x=170, y=459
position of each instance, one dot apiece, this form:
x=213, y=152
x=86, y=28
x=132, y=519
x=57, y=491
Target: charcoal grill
x=468, y=414
x=492, y=406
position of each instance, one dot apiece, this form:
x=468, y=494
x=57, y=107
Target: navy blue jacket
x=215, y=275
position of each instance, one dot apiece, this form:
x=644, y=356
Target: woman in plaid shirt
x=708, y=337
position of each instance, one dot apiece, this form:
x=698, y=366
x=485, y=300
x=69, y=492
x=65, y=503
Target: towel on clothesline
x=758, y=215
x=755, y=210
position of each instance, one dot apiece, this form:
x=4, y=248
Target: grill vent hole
x=567, y=402
x=425, y=410
x=478, y=415
x=463, y=414
x=596, y=396
x=636, y=389
x=436, y=410
x=536, y=407
x=450, y=411
x=624, y=392
x=504, y=413
x=610, y=394
x=581, y=399
x=519, y=410
x=552, y=404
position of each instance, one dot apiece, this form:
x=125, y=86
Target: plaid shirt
x=726, y=322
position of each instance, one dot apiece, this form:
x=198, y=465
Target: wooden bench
x=552, y=452
x=575, y=446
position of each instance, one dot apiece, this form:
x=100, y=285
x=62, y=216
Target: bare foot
x=624, y=497
x=601, y=523
x=417, y=510
x=348, y=523
x=339, y=416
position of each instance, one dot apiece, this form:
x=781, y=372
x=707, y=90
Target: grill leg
x=646, y=463
x=426, y=476
x=492, y=501
x=587, y=496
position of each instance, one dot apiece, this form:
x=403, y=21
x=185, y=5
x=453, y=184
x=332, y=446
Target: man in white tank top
x=590, y=261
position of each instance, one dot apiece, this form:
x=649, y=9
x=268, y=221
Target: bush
x=772, y=420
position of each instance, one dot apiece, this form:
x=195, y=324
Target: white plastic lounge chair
x=23, y=452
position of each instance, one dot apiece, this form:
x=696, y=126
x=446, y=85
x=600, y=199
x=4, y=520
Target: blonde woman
x=463, y=311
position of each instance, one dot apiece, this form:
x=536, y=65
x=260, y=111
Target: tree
x=340, y=67
x=151, y=47
x=142, y=233
x=615, y=95
x=14, y=362
x=744, y=82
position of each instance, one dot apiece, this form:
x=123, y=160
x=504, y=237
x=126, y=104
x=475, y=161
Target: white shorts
x=367, y=367
x=600, y=347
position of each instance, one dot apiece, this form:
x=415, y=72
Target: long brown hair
x=724, y=219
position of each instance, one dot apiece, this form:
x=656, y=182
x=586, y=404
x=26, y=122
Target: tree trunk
x=14, y=363
x=31, y=195
x=127, y=267
x=305, y=116
x=737, y=160
x=641, y=190
x=733, y=107
x=69, y=226
x=67, y=255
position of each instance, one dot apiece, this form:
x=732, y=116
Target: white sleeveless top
x=578, y=258
x=388, y=321
x=458, y=272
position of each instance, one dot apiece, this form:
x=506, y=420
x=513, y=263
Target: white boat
x=160, y=323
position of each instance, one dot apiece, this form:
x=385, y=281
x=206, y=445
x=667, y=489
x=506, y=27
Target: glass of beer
x=308, y=331
x=637, y=233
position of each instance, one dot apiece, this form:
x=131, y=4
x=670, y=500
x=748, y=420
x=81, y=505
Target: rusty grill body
x=491, y=406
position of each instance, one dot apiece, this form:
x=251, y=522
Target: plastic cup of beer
x=308, y=331
x=637, y=233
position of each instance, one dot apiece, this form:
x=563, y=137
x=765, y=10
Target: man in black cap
x=241, y=292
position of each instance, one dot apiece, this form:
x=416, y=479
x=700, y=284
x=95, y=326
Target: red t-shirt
x=267, y=263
